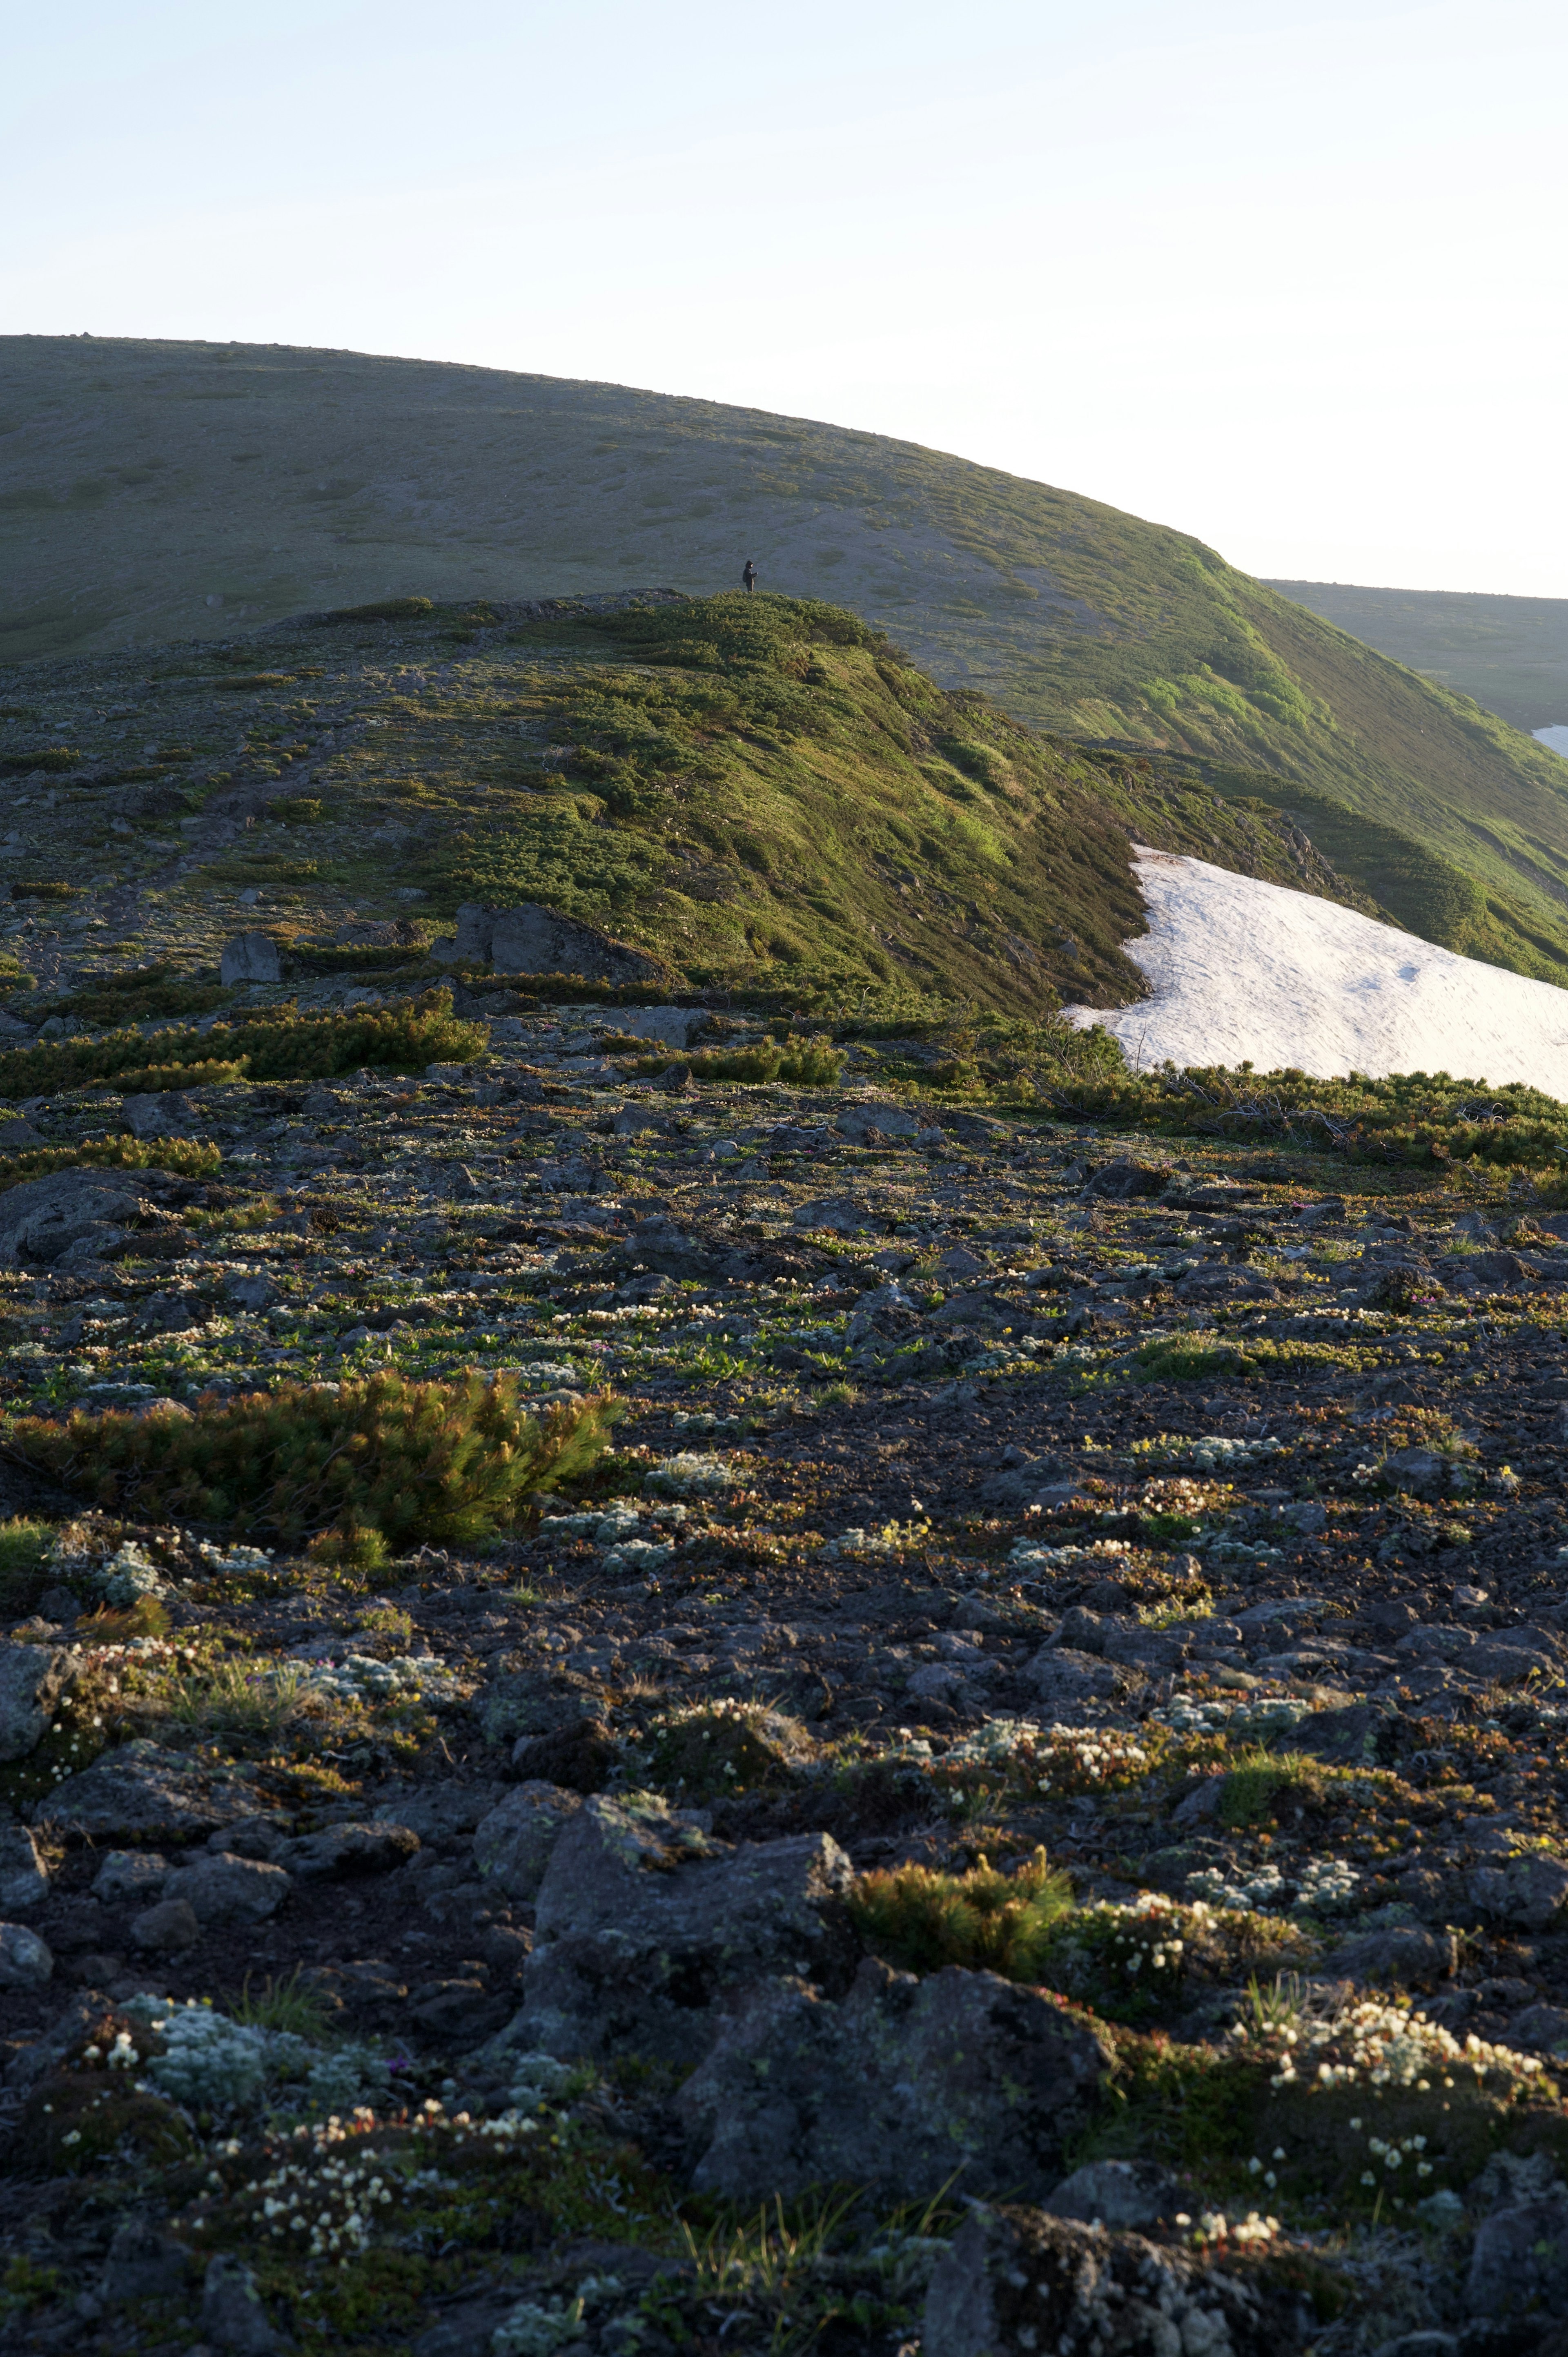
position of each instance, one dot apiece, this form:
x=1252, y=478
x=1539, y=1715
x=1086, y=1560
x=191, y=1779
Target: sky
x=1283, y=275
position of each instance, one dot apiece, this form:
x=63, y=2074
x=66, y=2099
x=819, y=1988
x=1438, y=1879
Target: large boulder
x=962, y=2080
x=169, y=1115
x=32, y=1678
x=141, y=1792
x=1017, y=2280
x=23, y=1878
x=671, y=1027
x=644, y=1926
x=513, y=1845
x=1519, y=2266
x=250, y=957
x=529, y=939
x=225, y=1889
x=84, y=1213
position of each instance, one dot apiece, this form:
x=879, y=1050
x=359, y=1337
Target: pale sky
x=1287, y=276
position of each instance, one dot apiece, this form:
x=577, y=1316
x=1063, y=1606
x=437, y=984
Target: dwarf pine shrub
x=185, y=1156
x=986, y=1920
x=804, y=1063
x=283, y=1047
x=446, y=1462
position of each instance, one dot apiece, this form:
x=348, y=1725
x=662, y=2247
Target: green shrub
x=297, y=810
x=447, y=1462
x=985, y=1920
x=1259, y=1784
x=151, y=990
x=183, y=1155
x=806, y=1063
x=154, y=1077
x=24, y=1559
x=52, y=757
x=722, y=1747
x=385, y=609
x=281, y=1048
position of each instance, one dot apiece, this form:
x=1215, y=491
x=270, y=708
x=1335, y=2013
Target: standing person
x=748, y=577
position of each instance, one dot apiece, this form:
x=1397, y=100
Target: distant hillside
x=759, y=791
x=1509, y=654
x=154, y=491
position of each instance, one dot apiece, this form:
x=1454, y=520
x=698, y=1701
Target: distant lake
x=1556, y=737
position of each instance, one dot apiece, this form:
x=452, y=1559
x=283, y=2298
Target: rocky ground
x=634, y=1933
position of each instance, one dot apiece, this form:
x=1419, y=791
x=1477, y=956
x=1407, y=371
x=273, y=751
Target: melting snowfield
x=1242, y=971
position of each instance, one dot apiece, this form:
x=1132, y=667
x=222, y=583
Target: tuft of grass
x=238, y=1698
x=23, y=1565
x=290, y=2006
x=449, y=1462
x=922, y=1919
x=1262, y=1783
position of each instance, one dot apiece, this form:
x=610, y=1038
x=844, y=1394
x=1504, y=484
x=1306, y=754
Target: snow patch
x=1246, y=972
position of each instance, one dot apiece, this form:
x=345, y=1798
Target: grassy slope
x=760, y=790
x=160, y=490
x=1509, y=654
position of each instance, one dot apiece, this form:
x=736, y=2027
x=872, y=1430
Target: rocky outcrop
x=960, y=2080
x=1016, y=2280
x=531, y=938
x=646, y=1927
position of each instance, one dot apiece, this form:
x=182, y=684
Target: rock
x=1019, y=2280
x=232, y=2316
x=1119, y=2194
x=344, y=1850
x=1403, y=1955
x=1527, y=1893
x=143, y=2264
x=32, y=1678
x=1519, y=2263
x=23, y=1879
x=958, y=1262
x=659, y=1243
x=130, y=1874
x=531, y=938
x=252, y=1292
x=168, y=1929
x=459, y=2012
x=226, y=1890
x=25, y=1962
x=643, y=1925
x=1422, y=1472
x=673, y=1026
x=1540, y=2030
x=579, y=1757
x=82, y=1212
x=960, y=2080
x=512, y=1845
x=437, y=1812
x=1219, y=1281
x=1489, y=1272
x=169, y=1115
x=1121, y=1182
x=250, y=957
x=1070, y=1683
x=891, y=1119
x=143, y=1791
x=1341, y=1738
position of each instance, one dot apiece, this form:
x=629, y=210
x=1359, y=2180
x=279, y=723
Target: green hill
x=761, y=792
x=156, y=492
x=1509, y=654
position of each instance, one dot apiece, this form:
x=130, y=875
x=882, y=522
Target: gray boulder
x=892, y=1120
x=169, y=1115
x=84, y=1213
x=512, y=1845
x=1527, y=1893
x=32, y=1678
x=644, y=1926
x=1519, y=2263
x=1125, y=2195
x=23, y=1879
x=1076, y=1688
x=25, y=1962
x=145, y=1792
x=529, y=939
x=342, y=1851
x=130, y=1874
x=962, y=2080
x=673, y=1026
x=226, y=1890
x=250, y=957
x=143, y=2264
x=168, y=1929
x=1406, y=1955
x=1018, y=2279
x=233, y=2316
